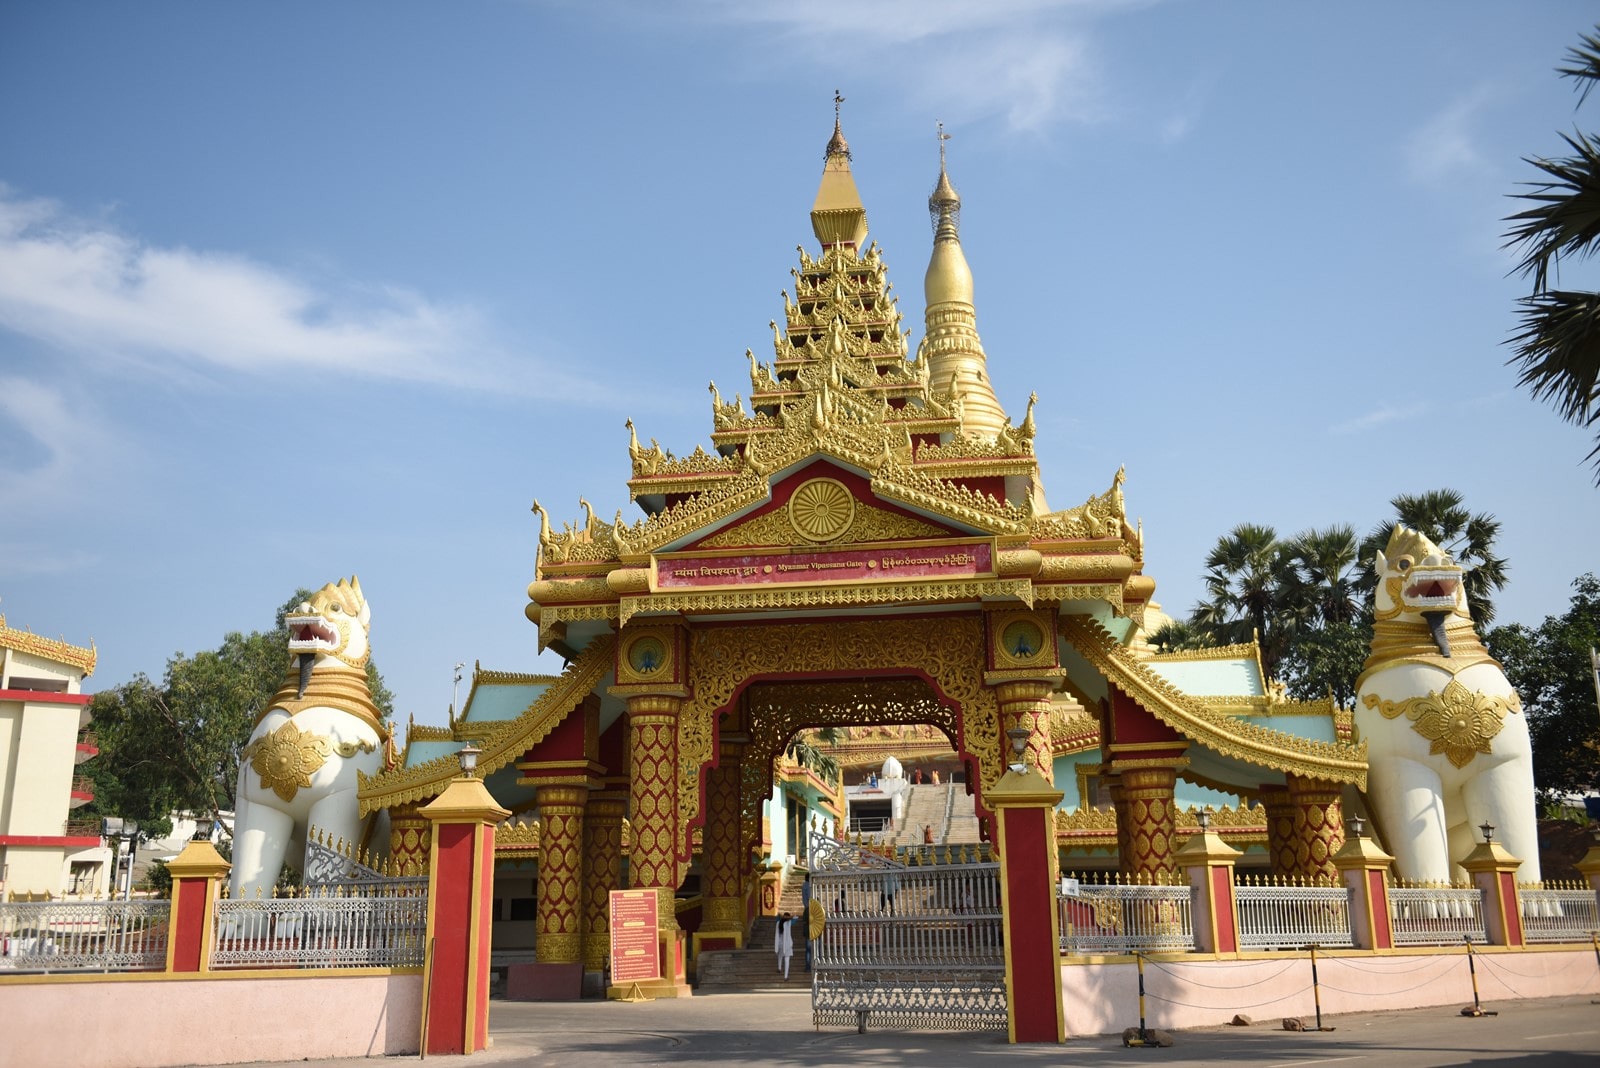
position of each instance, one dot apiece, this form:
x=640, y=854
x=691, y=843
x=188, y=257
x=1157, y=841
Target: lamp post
x=126, y=832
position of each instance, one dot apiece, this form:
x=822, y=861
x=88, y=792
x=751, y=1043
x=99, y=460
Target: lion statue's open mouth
x=1432, y=589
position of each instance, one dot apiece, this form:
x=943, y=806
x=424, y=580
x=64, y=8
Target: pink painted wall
x=1104, y=998
x=131, y=1022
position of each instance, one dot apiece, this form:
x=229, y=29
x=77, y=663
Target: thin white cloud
x=86, y=287
x=62, y=435
x=1446, y=145
x=1032, y=61
x=1376, y=418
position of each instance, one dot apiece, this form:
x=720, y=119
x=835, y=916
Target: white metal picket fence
x=1559, y=914
x=83, y=936
x=321, y=930
x=1287, y=916
x=1117, y=917
x=1435, y=915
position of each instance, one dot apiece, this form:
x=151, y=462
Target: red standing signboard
x=634, y=953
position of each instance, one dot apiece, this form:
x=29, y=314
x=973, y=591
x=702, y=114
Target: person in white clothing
x=783, y=943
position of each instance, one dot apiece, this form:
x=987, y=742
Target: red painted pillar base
x=1365, y=871
x=1494, y=871
x=460, y=908
x=1209, y=862
x=1024, y=805
x=197, y=875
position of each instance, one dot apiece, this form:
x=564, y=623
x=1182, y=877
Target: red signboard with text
x=634, y=955
x=945, y=561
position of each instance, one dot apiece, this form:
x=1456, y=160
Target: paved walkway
x=775, y=1028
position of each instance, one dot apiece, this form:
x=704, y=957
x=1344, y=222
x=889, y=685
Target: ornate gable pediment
x=822, y=506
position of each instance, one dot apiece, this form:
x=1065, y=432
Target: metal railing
x=93, y=936
x=1435, y=915
x=912, y=938
x=870, y=824
x=1115, y=917
x=321, y=930
x=1559, y=914
x=1286, y=916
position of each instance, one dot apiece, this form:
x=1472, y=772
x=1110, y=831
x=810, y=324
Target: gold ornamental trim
x=502, y=743
x=286, y=758
x=820, y=510
x=1250, y=742
x=55, y=650
x=339, y=686
x=868, y=525
x=828, y=596
x=1401, y=641
x=1245, y=651
x=1111, y=593
x=1458, y=722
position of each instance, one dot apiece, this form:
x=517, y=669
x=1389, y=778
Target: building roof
x=56, y=650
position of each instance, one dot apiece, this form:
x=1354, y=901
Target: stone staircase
x=963, y=828
x=925, y=805
x=755, y=967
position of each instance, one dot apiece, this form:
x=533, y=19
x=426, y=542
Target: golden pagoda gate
x=867, y=543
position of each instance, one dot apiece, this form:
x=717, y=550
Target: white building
x=43, y=712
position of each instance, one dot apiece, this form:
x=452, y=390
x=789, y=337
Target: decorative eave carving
x=55, y=650
x=502, y=742
x=1225, y=734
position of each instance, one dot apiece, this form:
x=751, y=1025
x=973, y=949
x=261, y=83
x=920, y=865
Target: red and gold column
x=722, y=926
x=558, y=975
x=602, y=833
x=1318, y=828
x=1147, y=794
x=1280, y=829
x=1025, y=703
x=409, y=839
x=653, y=809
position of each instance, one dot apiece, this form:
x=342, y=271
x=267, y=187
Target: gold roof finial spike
x=837, y=216
x=837, y=145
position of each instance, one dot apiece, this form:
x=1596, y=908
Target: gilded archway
x=945, y=651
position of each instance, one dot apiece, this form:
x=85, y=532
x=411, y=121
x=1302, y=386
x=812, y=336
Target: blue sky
x=297, y=291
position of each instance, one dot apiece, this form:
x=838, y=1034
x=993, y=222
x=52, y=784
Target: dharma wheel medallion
x=821, y=509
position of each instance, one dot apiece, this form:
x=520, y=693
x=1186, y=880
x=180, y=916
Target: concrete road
x=775, y=1028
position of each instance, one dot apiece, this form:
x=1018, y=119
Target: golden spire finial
x=837, y=145
x=837, y=217
x=944, y=203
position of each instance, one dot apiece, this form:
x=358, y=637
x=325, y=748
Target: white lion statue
x=1447, y=743
x=298, y=769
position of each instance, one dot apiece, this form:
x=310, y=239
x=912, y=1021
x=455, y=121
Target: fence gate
x=910, y=939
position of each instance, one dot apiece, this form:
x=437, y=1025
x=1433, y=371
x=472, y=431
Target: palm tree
x=1557, y=344
x=1327, y=561
x=1252, y=592
x=805, y=749
x=1442, y=515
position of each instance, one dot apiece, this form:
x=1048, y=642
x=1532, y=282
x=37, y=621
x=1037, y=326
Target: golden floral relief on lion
x=1459, y=722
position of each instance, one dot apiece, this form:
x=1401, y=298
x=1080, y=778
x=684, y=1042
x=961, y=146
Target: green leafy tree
x=175, y=746
x=1469, y=538
x=1550, y=667
x=1557, y=344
